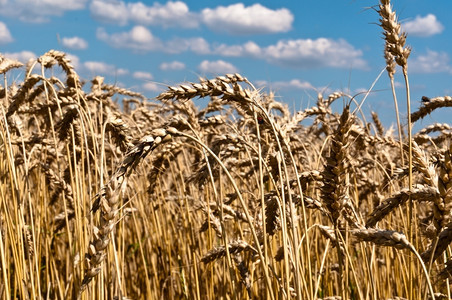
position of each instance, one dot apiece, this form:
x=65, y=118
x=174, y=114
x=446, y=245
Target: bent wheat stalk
x=108, y=200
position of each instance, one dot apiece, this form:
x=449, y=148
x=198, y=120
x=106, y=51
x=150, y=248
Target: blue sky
x=294, y=48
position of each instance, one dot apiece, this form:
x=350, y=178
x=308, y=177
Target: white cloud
x=301, y=53
x=56, y=4
x=294, y=84
x=233, y=19
x=142, y=75
x=431, y=62
x=141, y=39
x=5, y=35
x=423, y=26
x=217, y=67
x=398, y=84
x=230, y=50
x=171, y=14
x=196, y=45
x=309, y=53
x=252, y=48
x=121, y=72
x=172, y=66
x=109, y=11
x=37, y=11
x=22, y=56
x=255, y=19
x=152, y=86
x=75, y=43
x=97, y=67
x=74, y=60
x=247, y=49
x=361, y=91
x=94, y=68
x=199, y=45
x=138, y=38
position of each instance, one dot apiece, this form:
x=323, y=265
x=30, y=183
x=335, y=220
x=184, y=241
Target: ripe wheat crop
x=105, y=194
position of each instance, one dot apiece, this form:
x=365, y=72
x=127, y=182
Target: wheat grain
x=419, y=193
x=430, y=106
x=383, y=238
x=234, y=247
x=8, y=64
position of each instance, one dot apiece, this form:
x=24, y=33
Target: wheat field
x=106, y=194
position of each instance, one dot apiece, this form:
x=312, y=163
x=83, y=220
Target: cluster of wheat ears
x=241, y=199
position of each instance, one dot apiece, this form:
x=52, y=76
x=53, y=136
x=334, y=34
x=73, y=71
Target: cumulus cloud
x=423, y=26
x=196, y=45
x=300, y=53
x=255, y=19
x=152, y=86
x=38, y=11
x=138, y=38
x=5, y=35
x=141, y=39
x=97, y=67
x=171, y=14
x=142, y=75
x=109, y=11
x=309, y=53
x=294, y=84
x=230, y=50
x=232, y=19
x=22, y=56
x=431, y=62
x=252, y=48
x=247, y=49
x=217, y=67
x=75, y=43
x=172, y=66
x=199, y=46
